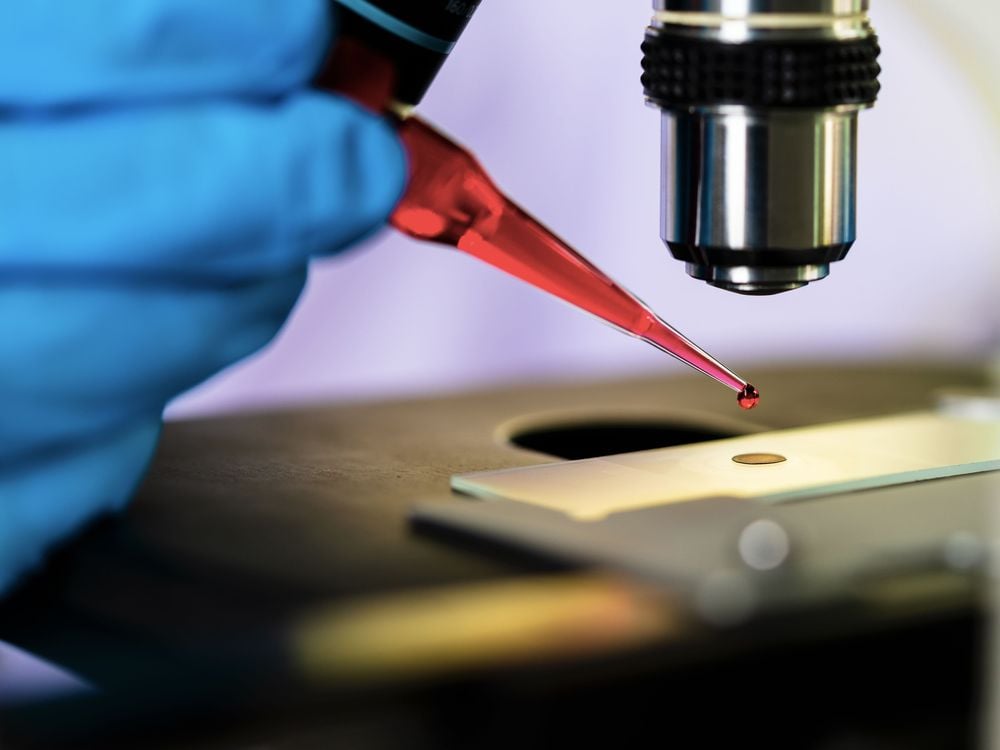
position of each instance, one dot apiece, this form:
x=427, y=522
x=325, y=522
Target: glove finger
x=43, y=502
x=54, y=52
x=223, y=191
x=76, y=361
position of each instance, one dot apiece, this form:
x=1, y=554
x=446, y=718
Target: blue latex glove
x=165, y=176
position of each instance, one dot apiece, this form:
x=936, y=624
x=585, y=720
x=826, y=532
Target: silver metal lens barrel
x=759, y=100
x=741, y=181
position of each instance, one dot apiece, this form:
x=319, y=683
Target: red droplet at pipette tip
x=450, y=199
x=748, y=397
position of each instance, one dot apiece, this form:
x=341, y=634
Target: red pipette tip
x=748, y=397
x=451, y=200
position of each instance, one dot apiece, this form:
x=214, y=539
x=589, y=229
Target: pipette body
x=450, y=199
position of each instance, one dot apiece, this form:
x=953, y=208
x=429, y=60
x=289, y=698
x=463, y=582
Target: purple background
x=547, y=94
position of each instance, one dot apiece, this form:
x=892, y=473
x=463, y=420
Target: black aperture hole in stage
x=605, y=438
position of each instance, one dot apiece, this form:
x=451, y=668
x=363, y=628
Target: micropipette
x=451, y=200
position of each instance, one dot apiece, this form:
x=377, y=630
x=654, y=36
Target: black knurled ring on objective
x=681, y=71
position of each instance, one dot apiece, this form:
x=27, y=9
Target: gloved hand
x=165, y=176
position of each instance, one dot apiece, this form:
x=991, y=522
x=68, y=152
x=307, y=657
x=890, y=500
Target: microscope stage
x=684, y=516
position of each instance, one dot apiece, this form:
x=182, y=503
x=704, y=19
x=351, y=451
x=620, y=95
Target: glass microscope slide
x=821, y=460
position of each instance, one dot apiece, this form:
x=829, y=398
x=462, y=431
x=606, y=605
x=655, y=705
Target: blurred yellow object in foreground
x=419, y=635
